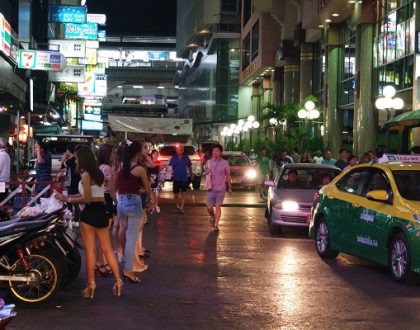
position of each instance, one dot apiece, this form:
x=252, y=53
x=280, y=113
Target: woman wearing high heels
x=94, y=220
x=130, y=179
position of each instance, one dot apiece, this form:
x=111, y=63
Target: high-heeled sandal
x=89, y=292
x=134, y=279
x=117, y=288
x=104, y=270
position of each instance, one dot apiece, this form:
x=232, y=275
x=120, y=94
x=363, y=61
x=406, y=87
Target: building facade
x=208, y=38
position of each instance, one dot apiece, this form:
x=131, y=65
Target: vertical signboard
x=5, y=36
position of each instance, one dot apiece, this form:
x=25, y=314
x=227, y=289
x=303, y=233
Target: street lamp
x=388, y=101
x=308, y=113
x=241, y=126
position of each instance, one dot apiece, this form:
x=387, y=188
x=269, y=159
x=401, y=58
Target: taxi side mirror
x=378, y=195
x=269, y=183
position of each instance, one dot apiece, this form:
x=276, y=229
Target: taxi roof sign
x=388, y=158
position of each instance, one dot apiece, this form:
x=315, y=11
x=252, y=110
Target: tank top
x=97, y=191
x=129, y=186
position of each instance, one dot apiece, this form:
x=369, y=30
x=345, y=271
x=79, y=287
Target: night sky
x=137, y=17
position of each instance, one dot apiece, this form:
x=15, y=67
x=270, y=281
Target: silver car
x=291, y=193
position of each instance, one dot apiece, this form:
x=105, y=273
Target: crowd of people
x=110, y=194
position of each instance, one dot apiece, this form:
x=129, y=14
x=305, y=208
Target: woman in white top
x=93, y=218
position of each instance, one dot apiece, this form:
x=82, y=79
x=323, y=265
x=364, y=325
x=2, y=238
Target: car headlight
x=251, y=174
x=290, y=206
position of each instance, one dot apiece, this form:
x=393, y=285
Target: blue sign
x=68, y=14
x=87, y=31
x=101, y=35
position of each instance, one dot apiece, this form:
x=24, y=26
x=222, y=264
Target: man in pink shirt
x=219, y=170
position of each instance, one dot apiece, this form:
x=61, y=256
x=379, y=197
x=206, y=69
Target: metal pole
x=17, y=154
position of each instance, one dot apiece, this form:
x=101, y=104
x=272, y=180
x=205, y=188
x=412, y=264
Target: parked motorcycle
x=38, y=256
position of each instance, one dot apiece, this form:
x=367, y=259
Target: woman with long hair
x=131, y=178
x=306, y=157
x=93, y=218
x=106, y=157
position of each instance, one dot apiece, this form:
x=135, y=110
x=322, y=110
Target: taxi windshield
x=408, y=183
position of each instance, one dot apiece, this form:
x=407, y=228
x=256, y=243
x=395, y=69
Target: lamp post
x=387, y=101
x=308, y=113
x=274, y=122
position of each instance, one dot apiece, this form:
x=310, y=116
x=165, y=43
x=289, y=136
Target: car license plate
x=236, y=180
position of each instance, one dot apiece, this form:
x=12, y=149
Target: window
x=348, y=69
x=255, y=38
x=304, y=178
x=352, y=182
x=246, y=51
x=408, y=183
x=230, y=6
x=394, y=41
x=247, y=11
x=319, y=73
x=377, y=181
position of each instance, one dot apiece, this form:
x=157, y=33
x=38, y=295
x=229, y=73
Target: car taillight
x=160, y=158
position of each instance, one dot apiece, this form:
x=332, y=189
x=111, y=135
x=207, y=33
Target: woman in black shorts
x=93, y=218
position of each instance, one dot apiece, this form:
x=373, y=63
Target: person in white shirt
x=4, y=167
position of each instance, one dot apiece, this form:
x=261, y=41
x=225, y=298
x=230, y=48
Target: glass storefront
x=348, y=67
x=394, y=43
x=208, y=91
x=319, y=73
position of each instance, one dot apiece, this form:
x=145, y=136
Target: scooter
x=33, y=256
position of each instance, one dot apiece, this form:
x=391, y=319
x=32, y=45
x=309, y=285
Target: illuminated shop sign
x=81, y=31
x=41, y=60
x=69, y=48
x=68, y=14
x=101, y=35
x=72, y=73
x=96, y=18
x=5, y=36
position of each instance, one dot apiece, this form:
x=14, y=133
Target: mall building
x=344, y=52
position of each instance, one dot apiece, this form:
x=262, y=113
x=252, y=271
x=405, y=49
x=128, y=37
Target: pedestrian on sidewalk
x=131, y=178
x=263, y=163
x=218, y=169
x=181, y=165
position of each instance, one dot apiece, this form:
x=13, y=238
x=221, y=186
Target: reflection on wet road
x=241, y=278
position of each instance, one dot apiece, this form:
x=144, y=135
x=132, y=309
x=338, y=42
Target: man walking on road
x=219, y=170
x=181, y=165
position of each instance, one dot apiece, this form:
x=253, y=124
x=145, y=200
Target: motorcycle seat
x=14, y=226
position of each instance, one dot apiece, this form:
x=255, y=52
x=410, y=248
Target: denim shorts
x=215, y=197
x=129, y=205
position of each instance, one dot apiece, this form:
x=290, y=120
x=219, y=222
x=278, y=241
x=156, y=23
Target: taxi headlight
x=251, y=174
x=290, y=206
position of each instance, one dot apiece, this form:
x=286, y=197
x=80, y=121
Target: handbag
x=207, y=183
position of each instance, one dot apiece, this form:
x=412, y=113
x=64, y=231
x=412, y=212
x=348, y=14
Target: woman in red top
x=131, y=178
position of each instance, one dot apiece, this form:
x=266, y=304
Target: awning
x=146, y=125
x=405, y=120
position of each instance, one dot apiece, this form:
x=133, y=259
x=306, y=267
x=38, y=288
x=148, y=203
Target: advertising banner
x=67, y=14
x=72, y=73
x=94, y=85
x=150, y=125
x=96, y=18
x=41, y=60
x=87, y=31
x=70, y=48
x=90, y=57
x=5, y=35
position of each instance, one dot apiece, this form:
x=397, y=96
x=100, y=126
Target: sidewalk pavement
x=198, y=198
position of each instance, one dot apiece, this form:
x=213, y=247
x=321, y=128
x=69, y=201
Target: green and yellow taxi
x=372, y=211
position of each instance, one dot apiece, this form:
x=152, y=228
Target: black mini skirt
x=95, y=214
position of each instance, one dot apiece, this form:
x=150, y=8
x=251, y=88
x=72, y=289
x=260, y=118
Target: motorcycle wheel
x=63, y=261
x=44, y=271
